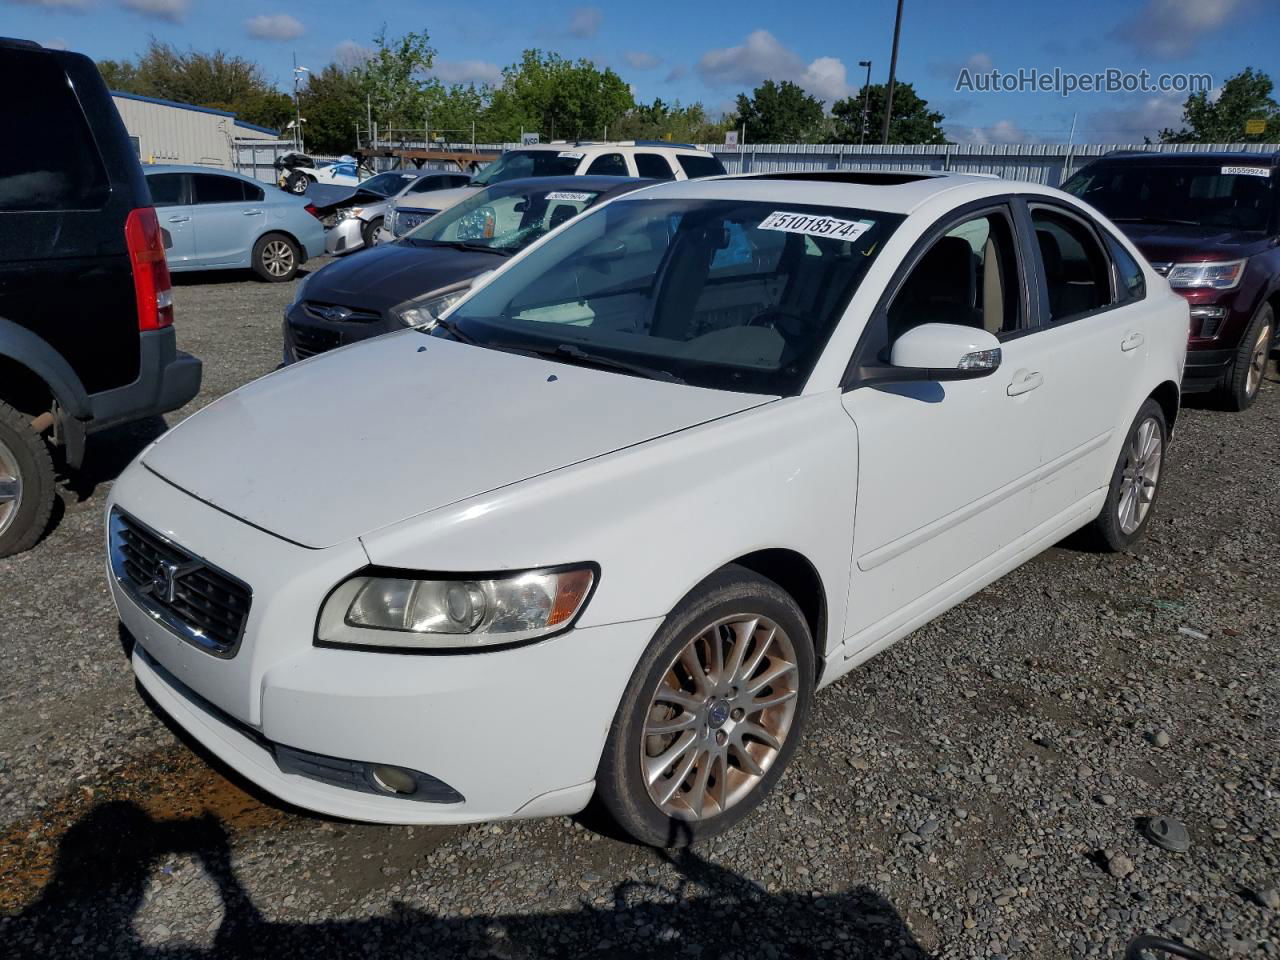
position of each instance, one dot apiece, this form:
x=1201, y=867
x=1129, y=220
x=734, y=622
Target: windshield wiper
x=1161, y=220
x=452, y=328
x=462, y=245
x=576, y=353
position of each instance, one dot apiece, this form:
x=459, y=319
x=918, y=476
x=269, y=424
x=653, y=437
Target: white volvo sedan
x=605, y=528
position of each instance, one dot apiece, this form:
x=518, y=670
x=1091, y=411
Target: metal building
x=164, y=131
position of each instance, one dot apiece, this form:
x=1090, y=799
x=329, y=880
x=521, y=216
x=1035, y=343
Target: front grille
x=1162, y=267
x=407, y=218
x=199, y=602
x=308, y=342
x=339, y=313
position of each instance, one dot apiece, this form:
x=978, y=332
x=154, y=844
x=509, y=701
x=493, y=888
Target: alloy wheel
x=10, y=488
x=1139, y=476
x=277, y=257
x=1258, y=361
x=719, y=717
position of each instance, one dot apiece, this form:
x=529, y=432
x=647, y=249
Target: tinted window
x=696, y=165
x=253, y=193
x=968, y=277
x=608, y=165
x=1197, y=195
x=50, y=160
x=387, y=184
x=654, y=166
x=1133, y=285
x=167, y=189
x=641, y=282
x=530, y=163
x=1076, y=270
x=211, y=188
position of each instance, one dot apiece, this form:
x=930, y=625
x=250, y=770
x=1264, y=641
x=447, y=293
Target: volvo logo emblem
x=164, y=582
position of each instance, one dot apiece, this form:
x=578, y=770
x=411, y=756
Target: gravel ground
x=977, y=791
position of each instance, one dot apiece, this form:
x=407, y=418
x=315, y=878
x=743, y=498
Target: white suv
x=649, y=159
x=609, y=524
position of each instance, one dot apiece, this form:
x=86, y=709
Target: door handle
x=1132, y=342
x=253, y=213
x=1024, y=381
x=179, y=219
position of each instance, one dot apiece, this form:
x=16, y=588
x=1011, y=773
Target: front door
x=945, y=469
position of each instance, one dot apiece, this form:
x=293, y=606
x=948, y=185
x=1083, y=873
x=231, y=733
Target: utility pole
x=297, y=104
x=893, y=75
x=866, y=93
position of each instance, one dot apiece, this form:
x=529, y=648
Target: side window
x=608, y=165
x=654, y=166
x=968, y=277
x=167, y=189
x=211, y=188
x=1076, y=269
x=1130, y=281
x=253, y=194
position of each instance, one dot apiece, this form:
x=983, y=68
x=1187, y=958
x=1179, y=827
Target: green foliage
x=332, y=103
x=1246, y=96
x=780, y=113
x=913, y=121
x=661, y=121
x=558, y=98
x=395, y=79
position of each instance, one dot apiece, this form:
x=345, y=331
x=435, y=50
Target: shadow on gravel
x=109, y=452
x=104, y=861
x=201, y=278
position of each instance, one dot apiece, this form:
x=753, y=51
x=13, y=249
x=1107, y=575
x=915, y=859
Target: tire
x=721, y=729
x=297, y=183
x=27, y=483
x=1250, y=364
x=1112, y=530
x=276, y=258
x=370, y=232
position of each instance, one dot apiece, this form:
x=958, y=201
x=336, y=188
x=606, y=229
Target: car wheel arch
x=1168, y=396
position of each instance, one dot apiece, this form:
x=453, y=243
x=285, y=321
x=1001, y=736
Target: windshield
x=529, y=163
x=718, y=293
x=1238, y=197
x=387, y=183
x=503, y=218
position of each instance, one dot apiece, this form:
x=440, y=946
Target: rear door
x=171, y=196
x=226, y=224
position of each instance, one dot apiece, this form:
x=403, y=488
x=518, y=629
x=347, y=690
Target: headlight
x=1224, y=275
x=455, y=614
x=302, y=285
x=427, y=310
x=350, y=213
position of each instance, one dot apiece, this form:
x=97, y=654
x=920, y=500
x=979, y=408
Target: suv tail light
x=311, y=209
x=151, y=284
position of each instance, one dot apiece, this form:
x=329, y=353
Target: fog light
x=393, y=780
x=1210, y=318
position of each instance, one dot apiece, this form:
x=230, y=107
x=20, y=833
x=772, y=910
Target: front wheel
x=276, y=258
x=370, y=231
x=1251, y=360
x=713, y=713
x=27, y=483
x=1135, y=482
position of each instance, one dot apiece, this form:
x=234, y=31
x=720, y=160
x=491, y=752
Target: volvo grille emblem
x=165, y=581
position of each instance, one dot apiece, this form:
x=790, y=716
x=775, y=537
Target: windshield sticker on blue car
x=816, y=226
x=1246, y=171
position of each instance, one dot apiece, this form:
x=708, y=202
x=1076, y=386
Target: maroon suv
x=1210, y=223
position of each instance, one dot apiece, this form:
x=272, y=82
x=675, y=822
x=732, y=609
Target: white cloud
x=585, y=22
x=677, y=73
x=763, y=57
x=175, y=11
x=641, y=60
x=275, y=26
x=72, y=5
x=350, y=54
x=1170, y=29
x=1129, y=123
x=1002, y=131
x=467, y=71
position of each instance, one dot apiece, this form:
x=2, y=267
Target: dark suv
x=1210, y=223
x=86, y=313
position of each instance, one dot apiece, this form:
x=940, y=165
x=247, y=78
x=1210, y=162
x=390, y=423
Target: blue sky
x=710, y=51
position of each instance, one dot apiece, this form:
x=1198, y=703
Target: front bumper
x=305, y=335
x=1206, y=369
x=345, y=236
x=516, y=733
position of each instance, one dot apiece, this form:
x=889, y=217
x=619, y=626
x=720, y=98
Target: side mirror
x=945, y=351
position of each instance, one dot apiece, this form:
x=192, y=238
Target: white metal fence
x=1040, y=163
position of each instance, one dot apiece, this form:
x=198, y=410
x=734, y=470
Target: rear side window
x=654, y=166
x=52, y=161
x=1131, y=282
x=1076, y=270
x=698, y=165
x=255, y=194
x=167, y=189
x=608, y=165
x=211, y=188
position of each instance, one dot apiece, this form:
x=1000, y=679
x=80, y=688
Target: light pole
x=297, y=103
x=866, y=92
x=893, y=73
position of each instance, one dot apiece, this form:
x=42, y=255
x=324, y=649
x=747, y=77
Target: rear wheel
x=1135, y=482
x=275, y=258
x=370, y=231
x=1251, y=360
x=27, y=484
x=713, y=713
x=297, y=182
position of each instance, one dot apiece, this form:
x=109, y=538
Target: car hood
x=1178, y=242
x=391, y=273
x=362, y=437
x=435, y=199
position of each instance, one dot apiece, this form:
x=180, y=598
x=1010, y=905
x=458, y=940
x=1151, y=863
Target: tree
x=557, y=98
x=1244, y=97
x=332, y=103
x=394, y=79
x=780, y=113
x=913, y=121
x=661, y=121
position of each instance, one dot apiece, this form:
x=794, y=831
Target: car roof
x=150, y=168
x=646, y=145
x=592, y=182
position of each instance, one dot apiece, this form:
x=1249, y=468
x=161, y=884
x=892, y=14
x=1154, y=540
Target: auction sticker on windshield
x=1246, y=171
x=569, y=195
x=816, y=226
x=570, y=155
